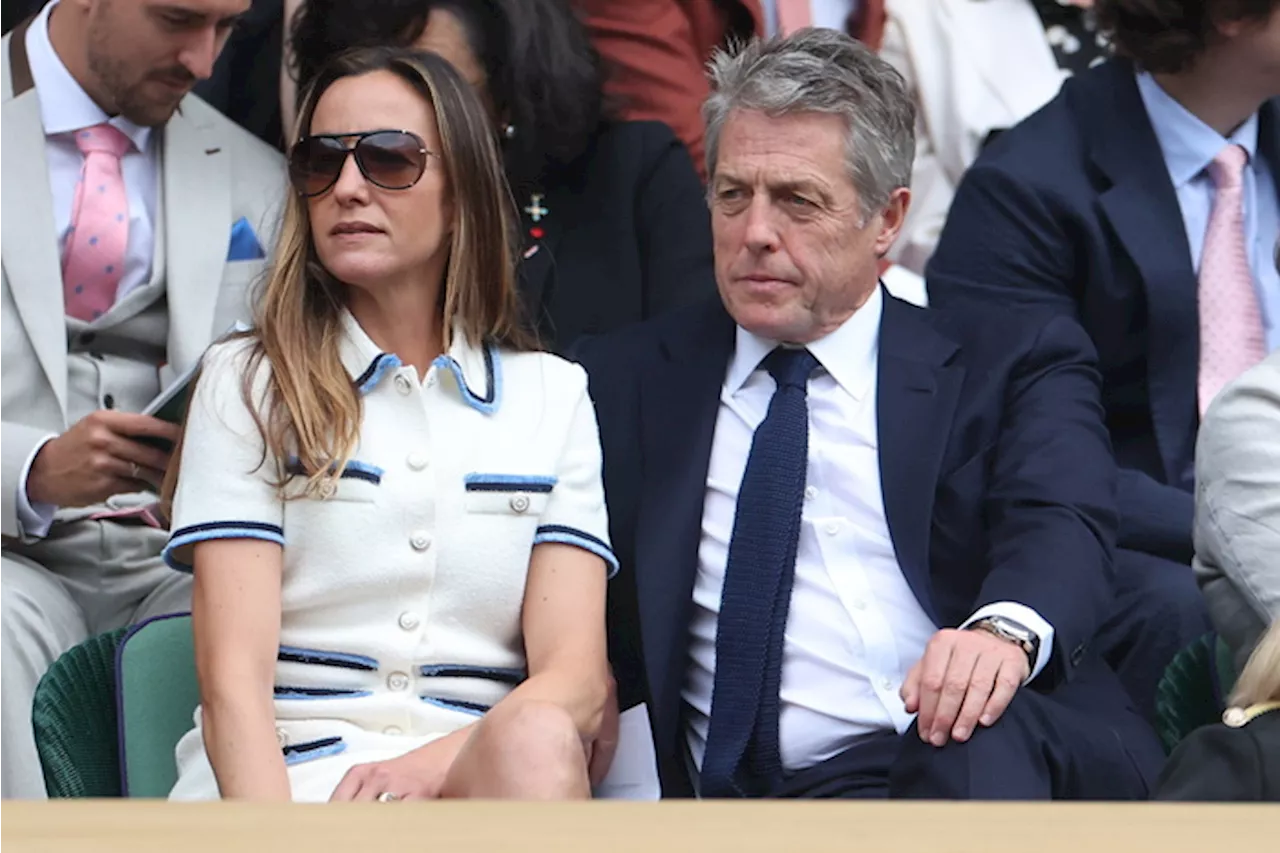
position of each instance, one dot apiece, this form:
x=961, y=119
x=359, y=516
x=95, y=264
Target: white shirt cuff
x=35, y=518
x=1027, y=618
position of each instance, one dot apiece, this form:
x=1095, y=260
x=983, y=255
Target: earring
x=509, y=131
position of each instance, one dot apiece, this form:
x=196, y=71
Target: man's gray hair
x=822, y=71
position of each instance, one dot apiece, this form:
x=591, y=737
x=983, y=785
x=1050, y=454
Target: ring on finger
x=135, y=471
x=388, y=797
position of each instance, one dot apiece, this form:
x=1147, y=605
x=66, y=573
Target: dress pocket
x=360, y=482
x=312, y=750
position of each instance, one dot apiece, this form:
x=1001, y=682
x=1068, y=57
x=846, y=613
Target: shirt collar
x=477, y=371
x=848, y=354
x=1188, y=144
x=64, y=105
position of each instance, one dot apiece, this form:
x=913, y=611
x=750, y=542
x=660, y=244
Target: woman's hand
x=417, y=775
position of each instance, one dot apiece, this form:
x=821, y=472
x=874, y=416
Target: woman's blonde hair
x=312, y=409
x=1260, y=680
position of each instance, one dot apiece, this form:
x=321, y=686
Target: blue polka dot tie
x=742, y=756
x=93, y=256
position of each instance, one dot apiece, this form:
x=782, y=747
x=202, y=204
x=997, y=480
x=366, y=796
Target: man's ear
x=892, y=218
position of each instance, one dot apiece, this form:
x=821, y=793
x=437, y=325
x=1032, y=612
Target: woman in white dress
x=391, y=502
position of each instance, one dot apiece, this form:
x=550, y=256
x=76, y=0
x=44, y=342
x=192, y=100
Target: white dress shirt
x=855, y=628
x=1189, y=146
x=64, y=109
x=832, y=14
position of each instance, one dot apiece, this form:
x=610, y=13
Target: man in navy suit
x=864, y=546
x=1146, y=190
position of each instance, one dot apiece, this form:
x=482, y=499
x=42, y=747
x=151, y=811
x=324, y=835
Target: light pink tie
x=793, y=15
x=1231, y=333
x=93, y=258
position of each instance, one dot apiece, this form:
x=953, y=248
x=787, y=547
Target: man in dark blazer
x=864, y=546
x=1098, y=208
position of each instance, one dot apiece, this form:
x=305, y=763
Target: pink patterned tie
x=93, y=259
x=1231, y=334
x=793, y=15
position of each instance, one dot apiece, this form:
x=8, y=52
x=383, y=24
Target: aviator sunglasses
x=391, y=159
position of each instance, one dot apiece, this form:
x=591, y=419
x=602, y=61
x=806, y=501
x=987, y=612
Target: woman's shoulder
x=551, y=374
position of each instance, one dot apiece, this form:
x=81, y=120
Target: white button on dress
x=409, y=621
x=417, y=460
x=398, y=681
x=520, y=502
x=420, y=540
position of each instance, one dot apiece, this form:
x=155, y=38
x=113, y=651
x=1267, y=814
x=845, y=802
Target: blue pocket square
x=244, y=243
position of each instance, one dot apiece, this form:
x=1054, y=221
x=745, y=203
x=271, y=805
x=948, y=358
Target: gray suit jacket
x=213, y=173
x=1238, y=507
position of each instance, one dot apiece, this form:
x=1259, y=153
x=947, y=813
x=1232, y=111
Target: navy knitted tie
x=742, y=756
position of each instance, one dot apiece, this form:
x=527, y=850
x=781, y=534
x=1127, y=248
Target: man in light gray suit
x=134, y=219
x=1238, y=507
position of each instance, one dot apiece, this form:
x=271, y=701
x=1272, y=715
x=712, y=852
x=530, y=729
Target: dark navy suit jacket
x=1074, y=210
x=997, y=477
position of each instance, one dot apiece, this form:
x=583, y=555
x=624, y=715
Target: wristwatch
x=1014, y=632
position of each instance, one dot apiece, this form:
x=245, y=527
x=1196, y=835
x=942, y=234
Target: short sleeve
x=575, y=514
x=225, y=484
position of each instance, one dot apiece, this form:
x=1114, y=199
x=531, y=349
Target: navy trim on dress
x=565, y=535
x=540, y=484
x=282, y=692
x=378, y=368
x=355, y=470
x=503, y=674
x=313, y=749
x=218, y=530
x=318, y=657
x=488, y=404
x=473, y=708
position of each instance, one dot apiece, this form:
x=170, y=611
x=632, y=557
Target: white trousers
x=86, y=577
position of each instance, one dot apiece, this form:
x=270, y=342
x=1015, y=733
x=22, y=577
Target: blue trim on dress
x=475, y=709
x=319, y=657
x=488, y=404
x=281, y=692
x=540, y=484
x=355, y=469
x=572, y=536
x=218, y=530
x=311, y=750
x=378, y=368
x=507, y=675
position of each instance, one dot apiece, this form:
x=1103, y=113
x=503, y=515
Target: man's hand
x=965, y=678
x=98, y=458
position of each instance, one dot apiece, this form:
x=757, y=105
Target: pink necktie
x=793, y=15
x=93, y=258
x=1231, y=334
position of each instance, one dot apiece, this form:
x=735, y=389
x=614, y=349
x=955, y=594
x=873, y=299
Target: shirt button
x=398, y=681
x=886, y=683
x=109, y=402
x=417, y=461
x=832, y=528
x=420, y=541
x=393, y=730
x=402, y=384
x=519, y=502
x=409, y=621
x=810, y=493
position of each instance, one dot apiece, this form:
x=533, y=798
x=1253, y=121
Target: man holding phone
x=128, y=243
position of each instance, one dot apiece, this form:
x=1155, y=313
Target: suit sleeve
x=19, y=442
x=1050, y=502
x=1214, y=763
x=1007, y=241
x=1237, y=530
x=655, y=66
x=674, y=226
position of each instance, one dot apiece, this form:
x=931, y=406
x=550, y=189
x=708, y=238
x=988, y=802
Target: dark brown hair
x=1168, y=36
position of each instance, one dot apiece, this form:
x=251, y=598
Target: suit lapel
x=915, y=403
x=678, y=405
x=1022, y=72
x=31, y=261
x=1142, y=208
x=197, y=211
